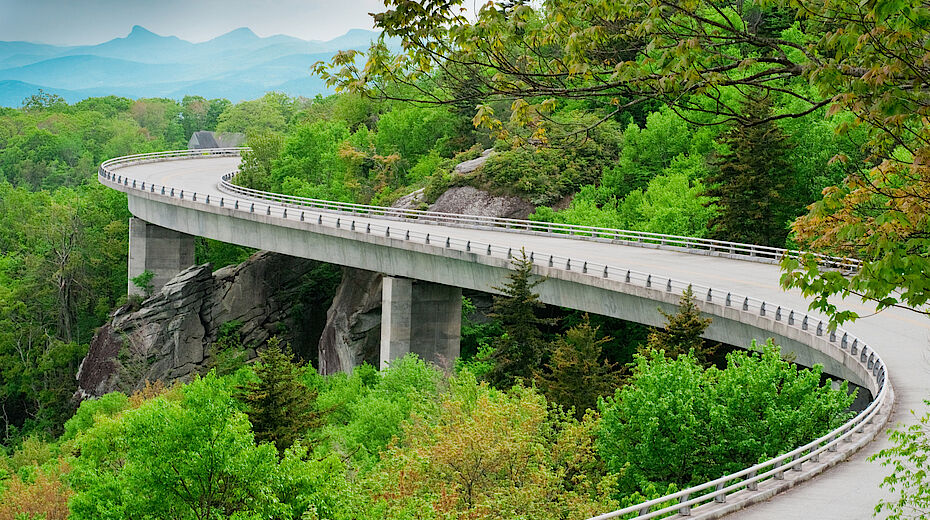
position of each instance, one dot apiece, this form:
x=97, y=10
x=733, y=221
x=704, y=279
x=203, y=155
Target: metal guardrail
x=336, y=215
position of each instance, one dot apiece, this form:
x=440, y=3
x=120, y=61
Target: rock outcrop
x=466, y=200
x=352, y=334
x=169, y=336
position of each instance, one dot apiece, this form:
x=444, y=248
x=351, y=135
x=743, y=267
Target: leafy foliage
x=678, y=423
x=683, y=331
x=280, y=407
x=908, y=459
x=577, y=375
x=518, y=353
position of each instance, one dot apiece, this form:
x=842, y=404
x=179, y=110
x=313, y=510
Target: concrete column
x=162, y=251
x=396, y=315
x=420, y=317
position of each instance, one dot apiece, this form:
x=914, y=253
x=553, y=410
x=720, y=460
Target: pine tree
x=280, y=406
x=754, y=182
x=576, y=375
x=519, y=351
x=682, y=332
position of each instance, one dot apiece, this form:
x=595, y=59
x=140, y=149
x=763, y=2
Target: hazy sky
x=79, y=22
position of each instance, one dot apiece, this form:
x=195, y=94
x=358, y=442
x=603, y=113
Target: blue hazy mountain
x=238, y=65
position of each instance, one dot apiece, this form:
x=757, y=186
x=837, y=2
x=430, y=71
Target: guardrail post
x=301, y=216
x=728, y=301
x=162, y=190
x=720, y=498
x=832, y=446
x=754, y=485
x=152, y=188
x=844, y=341
x=427, y=238
x=509, y=253
x=820, y=328
x=550, y=260
x=407, y=235
x=531, y=256
x=172, y=192
x=871, y=361
x=133, y=184
x=668, y=285
x=208, y=198
x=387, y=232
x=762, y=309
x=568, y=264
x=746, y=304
x=855, y=347
x=684, y=510
x=236, y=205
x=468, y=245
x=626, y=279
x=584, y=267
x=268, y=209
x=797, y=465
x=833, y=335
x=865, y=350
x=605, y=271
x=489, y=249
x=319, y=219
x=780, y=475
x=791, y=318
x=648, y=280
x=449, y=244
x=815, y=457
x=285, y=213
x=221, y=202
x=710, y=295
x=352, y=226
x=804, y=323
x=337, y=223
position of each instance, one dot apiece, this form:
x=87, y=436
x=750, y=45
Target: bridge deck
x=849, y=490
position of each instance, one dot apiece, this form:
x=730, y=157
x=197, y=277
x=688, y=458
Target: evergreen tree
x=281, y=408
x=577, y=377
x=754, y=181
x=682, y=332
x=518, y=352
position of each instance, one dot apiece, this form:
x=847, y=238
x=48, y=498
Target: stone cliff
x=169, y=336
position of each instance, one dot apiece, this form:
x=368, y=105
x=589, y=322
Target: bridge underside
x=436, y=264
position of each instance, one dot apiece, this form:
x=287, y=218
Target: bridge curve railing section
x=742, y=486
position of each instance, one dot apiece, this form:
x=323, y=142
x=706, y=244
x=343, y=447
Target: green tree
x=577, y=374
x=518, y=352
x=683, y=330
x=753, y=181
x=676, y=422
x=909, y=459
x=280, y=406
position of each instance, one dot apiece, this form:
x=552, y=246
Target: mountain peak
x=141, y=32
x=242, y=34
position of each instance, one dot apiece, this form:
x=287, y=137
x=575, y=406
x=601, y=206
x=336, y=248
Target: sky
x=83, y=22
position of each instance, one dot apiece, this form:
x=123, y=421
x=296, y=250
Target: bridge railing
x=640, y=238
x=847, y=438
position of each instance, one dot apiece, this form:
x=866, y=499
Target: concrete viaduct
x=428, y=258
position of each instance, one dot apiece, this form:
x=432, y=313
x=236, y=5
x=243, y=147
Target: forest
x=785, y=124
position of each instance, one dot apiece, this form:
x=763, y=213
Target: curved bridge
x=615, y=273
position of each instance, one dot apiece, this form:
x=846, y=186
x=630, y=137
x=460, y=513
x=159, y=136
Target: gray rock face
x=472, y=165
x=466, y=200
x=352, y=334
x=169, y=337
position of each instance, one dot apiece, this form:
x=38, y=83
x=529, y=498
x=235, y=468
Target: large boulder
x=169, y=336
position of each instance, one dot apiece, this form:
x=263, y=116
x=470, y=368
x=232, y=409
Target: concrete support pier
x=162, y=251
x=420, y=317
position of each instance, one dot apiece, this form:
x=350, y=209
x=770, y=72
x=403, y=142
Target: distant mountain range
x=238, y=65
